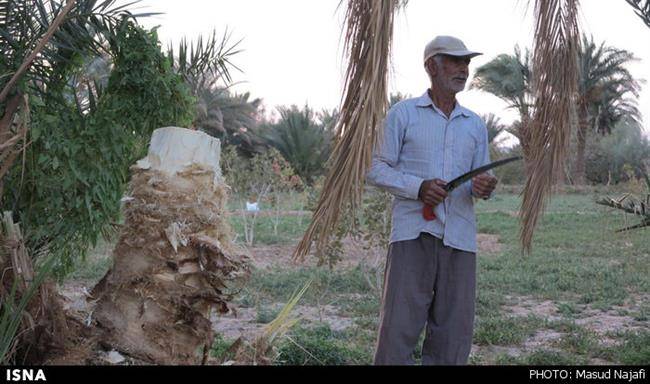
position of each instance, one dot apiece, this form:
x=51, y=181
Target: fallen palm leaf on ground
x=262, y=351
x=636, y=205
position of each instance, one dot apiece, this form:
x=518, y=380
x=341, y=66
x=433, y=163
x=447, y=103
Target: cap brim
x=460, y=53
x=469, y=54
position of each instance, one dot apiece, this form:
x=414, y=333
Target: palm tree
x=328, y=119
x=614, y=106
x=230, y=117
x=606, y=90
x=604, y=85
x=39, y=43
x=301, y=141
x=205, y=66
x=508, y=77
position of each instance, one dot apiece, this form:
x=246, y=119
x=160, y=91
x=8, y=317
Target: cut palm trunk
x=174, y=261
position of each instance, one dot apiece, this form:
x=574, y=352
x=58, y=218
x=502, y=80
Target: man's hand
x=432, y=192
x=483, y=185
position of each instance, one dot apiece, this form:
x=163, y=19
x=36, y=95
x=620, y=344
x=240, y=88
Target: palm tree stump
x=174, y=256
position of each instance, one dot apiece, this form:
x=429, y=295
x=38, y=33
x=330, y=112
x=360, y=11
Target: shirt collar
x=425, y=101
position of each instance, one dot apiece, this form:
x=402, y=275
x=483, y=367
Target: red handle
x=428, y=213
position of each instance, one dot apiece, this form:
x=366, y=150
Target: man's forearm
x=397, y=183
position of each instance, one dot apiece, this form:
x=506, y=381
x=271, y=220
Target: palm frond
x=555, y=83
x=368, y=37
x=493, y=125
x=82, y=31
x=58, y=20
x=260, y=351
x=642, y=9
x=196, y=59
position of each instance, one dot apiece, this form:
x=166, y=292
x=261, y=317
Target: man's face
x=450, y=72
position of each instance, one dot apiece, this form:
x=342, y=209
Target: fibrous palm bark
x=174, y=260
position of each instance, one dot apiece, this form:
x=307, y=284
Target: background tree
x=232, y=118
x=67, y=191
x=604, y=84
x=494, y=127
x=228, y=116
x=395, y=98
x=264, y=178
x=607, y=93
x=301, y=140
x=619, y=157
x=508, y=78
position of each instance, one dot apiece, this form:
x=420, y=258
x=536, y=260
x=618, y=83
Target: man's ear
x=430, y=66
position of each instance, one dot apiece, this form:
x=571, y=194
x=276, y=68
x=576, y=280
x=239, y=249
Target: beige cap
x=447, y=45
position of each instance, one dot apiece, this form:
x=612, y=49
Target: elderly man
x=430, y=275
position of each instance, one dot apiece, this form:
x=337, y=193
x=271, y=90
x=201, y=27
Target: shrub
x=67, y=191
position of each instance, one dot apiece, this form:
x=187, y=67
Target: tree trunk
x=579, y=176
x=174, y=256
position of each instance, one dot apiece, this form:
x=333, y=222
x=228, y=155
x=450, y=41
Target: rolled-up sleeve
x=383, y=171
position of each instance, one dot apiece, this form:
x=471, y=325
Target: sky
x=292, y=49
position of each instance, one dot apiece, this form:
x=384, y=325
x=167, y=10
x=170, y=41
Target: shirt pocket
x=465, y=147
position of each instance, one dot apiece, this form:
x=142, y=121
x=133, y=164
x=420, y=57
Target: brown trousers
x=428, y=283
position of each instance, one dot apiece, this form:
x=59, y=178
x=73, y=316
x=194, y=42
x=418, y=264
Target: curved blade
x=467, y=176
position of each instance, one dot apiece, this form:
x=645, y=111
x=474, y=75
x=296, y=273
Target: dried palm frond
x=368, y=39
x=555, y=82
x=261, y=351
x=630, y=204
x=635, y=205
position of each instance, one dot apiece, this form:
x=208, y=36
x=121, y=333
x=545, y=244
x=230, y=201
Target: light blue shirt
x=421, y=143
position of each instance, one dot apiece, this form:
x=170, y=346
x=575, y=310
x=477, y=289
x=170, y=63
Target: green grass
x=500, y=330
x=328, y=287
x=541, y=357
x=574, y=255
x=220, y=346
x=319, y=345
x=97, y=263
x=289, y=229
x=633, y=348
x=581, y=342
